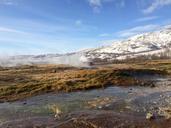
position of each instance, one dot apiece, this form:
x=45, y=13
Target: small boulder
x=149, y=116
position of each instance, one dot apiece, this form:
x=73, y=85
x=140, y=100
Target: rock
x=128, y=107
x=149, y=116
x=107, y=105
x=165, y=111
x=130, y=92
x=99, y=107
x=57, y=111
x=24, y=103
x=154, y=102
x=54, y=71
x=152, y=85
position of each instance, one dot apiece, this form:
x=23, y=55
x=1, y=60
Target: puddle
x=136, y=100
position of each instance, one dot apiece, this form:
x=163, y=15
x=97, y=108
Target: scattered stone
x=161, y=96
x=24, y=103
x=100, y=107
x=107, y=105
x=152, y=85
x=154, y=102
x=55, y=108
x=149, y=116
x=54, y=71
x=39, y=126
x=58, y=113
x=130, y=92
x=165, y=111
x=100, y=102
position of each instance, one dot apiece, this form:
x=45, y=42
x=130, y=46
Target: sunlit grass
x=26, y=81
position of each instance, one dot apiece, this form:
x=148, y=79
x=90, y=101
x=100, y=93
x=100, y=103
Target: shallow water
x=134, y=100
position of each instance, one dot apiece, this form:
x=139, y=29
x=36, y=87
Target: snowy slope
x=153, y=43
x=143, y=44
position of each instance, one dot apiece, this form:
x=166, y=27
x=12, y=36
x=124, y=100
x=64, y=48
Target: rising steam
x=75, y=59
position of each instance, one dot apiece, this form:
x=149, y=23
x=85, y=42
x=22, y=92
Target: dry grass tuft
x=26, y=81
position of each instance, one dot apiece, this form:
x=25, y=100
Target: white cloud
x=132, y=31
x=7, y=2
x=98, y=4
x=155, y=5
x=82, y=26
x=146, y=18
x=78, y=22
x=137, y=30
x=9, y=30
x=95, y=2
x=104, y=35
x=168, y=26
x=120, y=3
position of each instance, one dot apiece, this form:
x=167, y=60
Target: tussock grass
x=26, y=81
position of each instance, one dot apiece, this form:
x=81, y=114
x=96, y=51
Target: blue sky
x=60, y=26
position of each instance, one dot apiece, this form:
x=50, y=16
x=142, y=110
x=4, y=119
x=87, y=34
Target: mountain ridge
x=147, y=44
x=142, y=44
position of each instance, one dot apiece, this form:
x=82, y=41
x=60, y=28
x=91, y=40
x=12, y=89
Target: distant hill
x=157, y=43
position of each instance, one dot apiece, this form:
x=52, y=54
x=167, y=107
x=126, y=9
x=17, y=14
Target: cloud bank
x=156, y=5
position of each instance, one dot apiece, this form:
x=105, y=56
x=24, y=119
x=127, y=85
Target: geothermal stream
x=137, y=101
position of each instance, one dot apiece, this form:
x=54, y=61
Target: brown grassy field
x=26, y=81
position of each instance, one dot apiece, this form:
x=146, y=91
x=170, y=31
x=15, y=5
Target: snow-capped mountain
x=154, y=43
x=143, y=44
